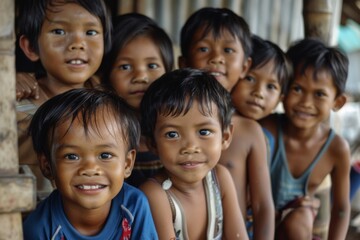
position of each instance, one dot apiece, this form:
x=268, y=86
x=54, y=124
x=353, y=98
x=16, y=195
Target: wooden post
x=17, y=191
x=318, y=18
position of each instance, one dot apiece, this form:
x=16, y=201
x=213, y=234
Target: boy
x=86, y=143
x=257, y=94
x=306, y=148
x=218, y=41
x=186, y=118
x=68, y=40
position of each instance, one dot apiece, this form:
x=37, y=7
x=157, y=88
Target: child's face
x=222, y=57
x=137, y=65
x=309, y=100
x=190, y=145
x=90, y=169
x=258, y=94
x=71, y=44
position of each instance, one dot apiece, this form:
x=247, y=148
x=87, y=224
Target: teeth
x=76, y=61
x=215, y=73
x=90, y=187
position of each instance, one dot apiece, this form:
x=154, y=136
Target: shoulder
x=39, y=223
x=245, y=127
x=223, y=174
x=130, y=195
x=339, y=148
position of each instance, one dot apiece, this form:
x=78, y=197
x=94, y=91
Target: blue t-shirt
x=129, y=218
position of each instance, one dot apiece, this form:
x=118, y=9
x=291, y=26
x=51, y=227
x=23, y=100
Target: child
x=141, y=52
x=69, y=38
x=186, y=120
x=219, y=42
x=86, y=140
x=306, y=148
x=257, y=94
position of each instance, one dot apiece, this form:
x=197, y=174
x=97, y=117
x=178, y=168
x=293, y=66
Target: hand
x=26, y=86
x=310, y=202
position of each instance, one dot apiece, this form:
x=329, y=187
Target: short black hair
x=311, y=52
x=174, y=93
x=265, y=51
x=129, y=26
x=214, y=21
x=83, y=104
x=32, y=14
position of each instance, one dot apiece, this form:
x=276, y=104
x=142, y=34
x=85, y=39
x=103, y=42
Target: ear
x=27, y=49
x=129, y=162
x=182, y=62
x=45, y=167
x=339, y=102
x=227, y=136
x=245, y=67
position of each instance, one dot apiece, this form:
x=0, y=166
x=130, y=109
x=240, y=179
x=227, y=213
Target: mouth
x=216, y=73
x=255, y=104
x=76, y=62
x=90, y=186
x=139, y=92
x=190, y=164
x=302, y=114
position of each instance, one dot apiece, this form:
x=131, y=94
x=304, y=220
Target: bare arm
x=234, y=226
x=260, y=184
x=160, y=209
x=340, y=212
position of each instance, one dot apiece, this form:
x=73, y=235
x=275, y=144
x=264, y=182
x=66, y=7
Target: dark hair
x=313, y=53
x=174, y=93
x=33, y=13
x=129, y=26
x=83, y=104
x=265, y=51
x=215, y=20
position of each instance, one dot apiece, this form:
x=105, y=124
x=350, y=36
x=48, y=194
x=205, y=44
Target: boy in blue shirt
x=86, y=143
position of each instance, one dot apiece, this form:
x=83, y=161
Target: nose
x=258, y=92
x=190, y=147
x=217, y=57
x=77, y=42
x=306, y=100
x=140, y=76
x=90, y=168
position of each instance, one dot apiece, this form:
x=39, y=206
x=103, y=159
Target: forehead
x=69, y=12
x=102, y=123
x=210, y=34
x=319, y=77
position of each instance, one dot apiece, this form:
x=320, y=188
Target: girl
x=141, y=52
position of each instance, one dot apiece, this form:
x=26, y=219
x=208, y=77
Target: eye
x=320, y=94
x=92, y=32
x=105, y=155
x=153, y=66
x=58, y=31
x=172, y=134
x=204, y=132
x=125, y=67
x=271, y=86
x=203, y=49
x=229, y=50
x=296, y=89
x=72, y=156
x=249, y=78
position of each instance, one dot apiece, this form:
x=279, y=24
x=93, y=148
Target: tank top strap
x=322, y=150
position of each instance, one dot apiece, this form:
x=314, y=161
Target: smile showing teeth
x=215, y=74
x=90, y=187
x=76, y=61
